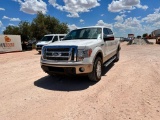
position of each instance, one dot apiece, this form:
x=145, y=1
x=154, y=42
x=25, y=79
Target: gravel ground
x=129, y=89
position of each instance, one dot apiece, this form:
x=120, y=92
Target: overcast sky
x=122, y=16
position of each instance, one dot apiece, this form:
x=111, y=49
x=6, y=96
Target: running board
x=109, y=62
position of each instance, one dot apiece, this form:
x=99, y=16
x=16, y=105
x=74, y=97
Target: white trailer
x=10, y=43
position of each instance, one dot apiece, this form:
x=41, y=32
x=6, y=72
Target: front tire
x=96, y=73
x=51, y=74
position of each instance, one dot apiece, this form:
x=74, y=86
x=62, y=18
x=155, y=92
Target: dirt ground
x=129, y=89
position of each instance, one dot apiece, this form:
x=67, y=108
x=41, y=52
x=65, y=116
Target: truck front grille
x=60, y=53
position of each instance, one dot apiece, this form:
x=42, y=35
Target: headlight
x=84, y=54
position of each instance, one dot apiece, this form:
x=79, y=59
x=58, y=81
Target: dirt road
x=129, y=89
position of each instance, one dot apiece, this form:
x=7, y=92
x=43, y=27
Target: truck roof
x=93, y=27
x=54, y=34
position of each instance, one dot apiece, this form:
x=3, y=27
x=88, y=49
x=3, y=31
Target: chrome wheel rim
x=98, y=69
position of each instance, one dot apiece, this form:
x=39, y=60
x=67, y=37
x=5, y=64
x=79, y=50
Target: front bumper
x=67, y=68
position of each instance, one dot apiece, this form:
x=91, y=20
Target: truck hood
x=87, y=42
x=43, y=42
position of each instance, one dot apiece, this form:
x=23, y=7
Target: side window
x=110, y=31
x=55, y=38
x=105, y=31
x=107, y=34
x=60, y=37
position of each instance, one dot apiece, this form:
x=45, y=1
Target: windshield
x=85, y=33
x=47, y=38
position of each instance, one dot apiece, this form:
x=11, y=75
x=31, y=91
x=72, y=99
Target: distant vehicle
x=138, y=37
x=126, y=39
x=47, y=39
x=121, y=39
x=130, y=35
x=28, y=45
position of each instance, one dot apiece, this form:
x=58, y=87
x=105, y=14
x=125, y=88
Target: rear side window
x=60, y=37
x=107, y=31
x=110, y=31
x=108, y=34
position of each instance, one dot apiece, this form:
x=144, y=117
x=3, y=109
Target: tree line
x=40, y=26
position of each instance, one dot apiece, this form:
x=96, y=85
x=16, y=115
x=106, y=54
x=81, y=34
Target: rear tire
x=96, y=73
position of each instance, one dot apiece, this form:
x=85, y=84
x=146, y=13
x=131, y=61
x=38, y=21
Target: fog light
x=81, y=69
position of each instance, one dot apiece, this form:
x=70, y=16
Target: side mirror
x=108, y=37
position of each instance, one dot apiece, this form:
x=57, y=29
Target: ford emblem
x=56, y=54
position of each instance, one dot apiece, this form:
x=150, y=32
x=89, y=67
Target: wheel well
x=99, y=55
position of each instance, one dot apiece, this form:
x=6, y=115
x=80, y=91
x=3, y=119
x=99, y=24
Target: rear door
x=108, y=43
x=114, y=42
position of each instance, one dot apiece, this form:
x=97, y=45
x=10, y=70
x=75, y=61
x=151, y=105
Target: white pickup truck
x=82, y=51
x=49, y=38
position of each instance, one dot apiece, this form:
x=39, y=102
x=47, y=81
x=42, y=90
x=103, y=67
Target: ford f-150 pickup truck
x=82, y=51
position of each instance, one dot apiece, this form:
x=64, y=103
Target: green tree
x=38, y=26
x=41, y=25
x=25, y=30
x=51, y=24
x=145, y=35
x=45, y=24
x=62, y=28
x=138, y=36
x=11, y=30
